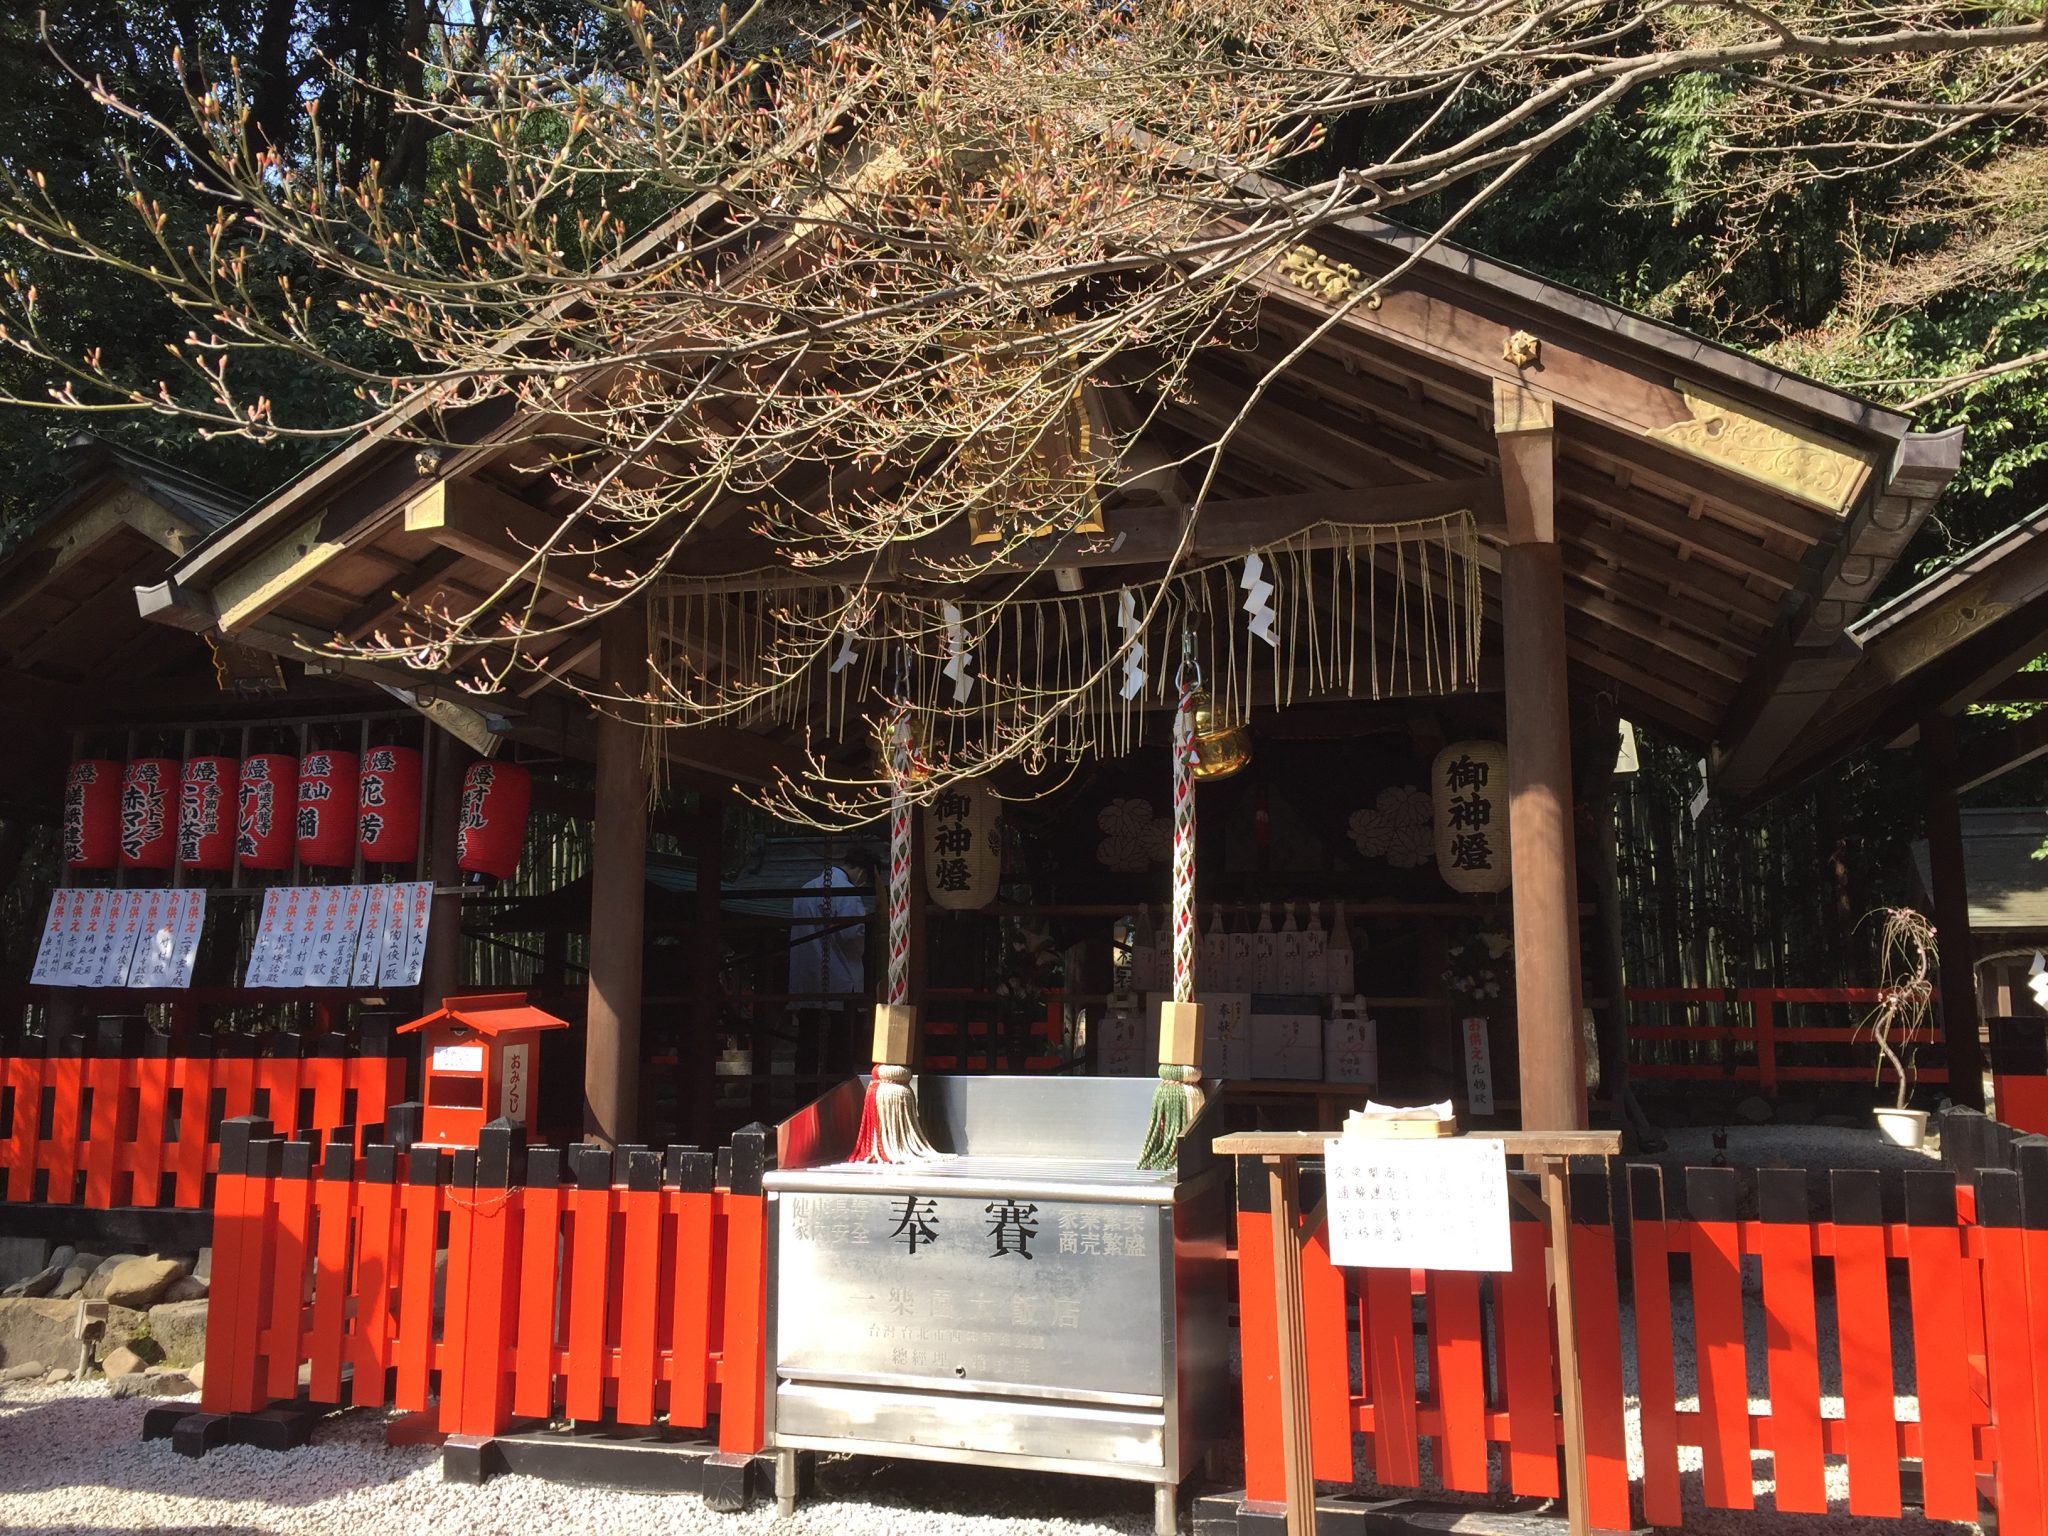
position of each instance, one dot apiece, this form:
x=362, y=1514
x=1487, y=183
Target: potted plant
x=1906, y=960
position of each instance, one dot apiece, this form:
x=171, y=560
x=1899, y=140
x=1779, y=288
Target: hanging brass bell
x=1222, y=746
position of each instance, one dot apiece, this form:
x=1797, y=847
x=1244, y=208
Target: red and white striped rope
x=899, y=860
x=1184, y=842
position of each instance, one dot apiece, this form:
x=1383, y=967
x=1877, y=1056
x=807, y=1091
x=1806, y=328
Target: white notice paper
x=370, y=948
x=1438, y=1204
x=267, y=952
x=339, y=915
x=49, y=966
x=419, y=909
x=116, y=928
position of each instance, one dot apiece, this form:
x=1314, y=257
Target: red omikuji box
x=477, y=1064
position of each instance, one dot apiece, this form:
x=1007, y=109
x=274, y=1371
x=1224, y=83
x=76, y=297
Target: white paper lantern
x=963, y=847
x=1468, y=786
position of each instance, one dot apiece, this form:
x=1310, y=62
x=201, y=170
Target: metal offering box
x=1032, y=1301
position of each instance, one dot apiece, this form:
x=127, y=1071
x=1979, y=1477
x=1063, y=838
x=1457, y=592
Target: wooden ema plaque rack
x=1545, y=1153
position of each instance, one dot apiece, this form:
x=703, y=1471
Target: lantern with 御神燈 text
x=92, y=814
x=149, y=813
x=206, y=822
x=325, y=819
x=388, y=811
x=1469, y=799
x=263, y=810
x=492, y=825
x=963, y=847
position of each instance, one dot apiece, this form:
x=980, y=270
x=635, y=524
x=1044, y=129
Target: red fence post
x=741, y=1381
x=1941, y=1348
x=586, y=1297
x=493, y=1292
x=375, y=1268
x=1718, y=1337
x=1522, y=1297
x=419, y=1204
x=693, y=1173
x=241, y=1230
x=1597, y=1310
x=1650, y=1245
x=1863, y=1312
x=1265, y=1469
x=640, y=1287
x=1785, y=1246
x=292, y=1210
x=1763, y=1019
x=2010, y=1358
x=334, y=1206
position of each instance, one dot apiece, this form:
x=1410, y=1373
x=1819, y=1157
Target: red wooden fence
x=1748, y=1047
x=635, y=1300
x=1965, y=1267
x=108, y=1131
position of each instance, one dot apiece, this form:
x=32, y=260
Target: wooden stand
x=1548, y=1154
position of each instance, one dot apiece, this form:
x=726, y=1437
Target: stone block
x=151, y=1384
x=36, y=1329
x=185, y=1288
x=76, y=1273
x=123, y=1325
x=124, y=1361
x=28, y=1370
x=21, y=1256
x=96, y=1283
x=178, y=1328
x=141, y=1282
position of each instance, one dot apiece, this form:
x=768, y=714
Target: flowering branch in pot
x=1907, y=958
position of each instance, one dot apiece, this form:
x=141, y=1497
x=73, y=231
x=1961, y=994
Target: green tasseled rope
x=1171, y=1115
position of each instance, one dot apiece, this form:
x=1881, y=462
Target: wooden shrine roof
x=1958, y=637
x=67, y=604
x=1722, y=521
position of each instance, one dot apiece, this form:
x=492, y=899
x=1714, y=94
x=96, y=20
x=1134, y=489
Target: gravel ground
x=73, y=1461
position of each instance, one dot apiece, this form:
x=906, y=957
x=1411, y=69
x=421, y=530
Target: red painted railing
x=1962, y=1265
x=107, y=1131
x=1749, y=1047
x=582, y=1299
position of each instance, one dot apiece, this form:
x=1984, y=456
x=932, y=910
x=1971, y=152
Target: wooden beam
x=1939, y=772
x=618, y=888
x=1540, y=818
x=1810, y=657
x=264, y=581
x=500, y=531
x=441, y=969
x=1994, y=756
x=1138, y=535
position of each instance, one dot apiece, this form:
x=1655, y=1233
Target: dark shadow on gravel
x=936, y=1489
x=97, y=1443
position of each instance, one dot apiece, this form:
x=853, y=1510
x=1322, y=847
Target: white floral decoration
x=1396, y=829
x=1133, y=839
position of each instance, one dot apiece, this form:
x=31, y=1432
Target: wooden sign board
x=1407, y=1204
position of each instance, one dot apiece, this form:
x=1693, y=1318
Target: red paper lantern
x=206, y=825
x=149, y=813
x=328, y=785
x=492, y=829
x=92, y=814
x=263, y=815
x=388, y=823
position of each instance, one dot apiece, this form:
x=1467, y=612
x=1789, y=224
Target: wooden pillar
x=1550, y=1045
x=618, y=888
x=698, y=1090
x=441, y=966
x=1939, y=774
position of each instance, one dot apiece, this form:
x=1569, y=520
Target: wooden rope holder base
x=1548, y=1154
